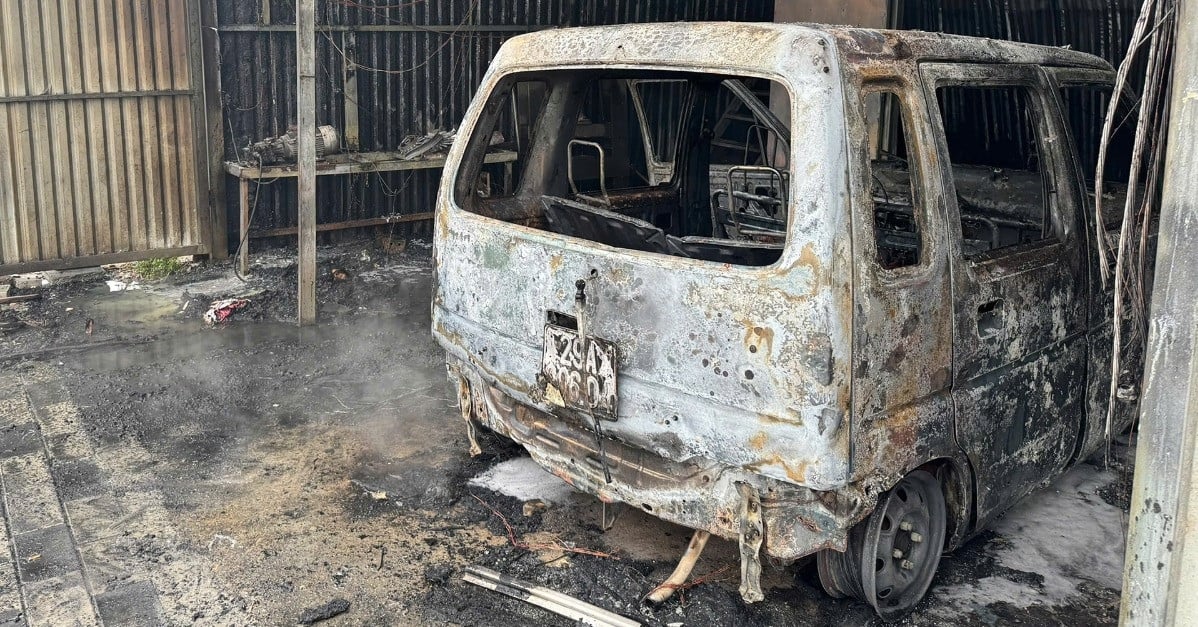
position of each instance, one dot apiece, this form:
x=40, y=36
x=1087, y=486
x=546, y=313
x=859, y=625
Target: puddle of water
x=125, y=307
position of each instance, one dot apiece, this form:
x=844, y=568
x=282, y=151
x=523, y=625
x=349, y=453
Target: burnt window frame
x=921, y=207
x=1065, y=78
x=1055, y=161
x=468, y=164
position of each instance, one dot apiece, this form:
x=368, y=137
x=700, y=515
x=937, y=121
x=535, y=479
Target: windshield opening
x=684, y=164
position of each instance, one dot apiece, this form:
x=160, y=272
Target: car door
x=1085, y=96
x=1018, y=275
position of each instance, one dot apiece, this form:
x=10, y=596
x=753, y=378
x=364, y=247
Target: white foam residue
x=523, y=479
x=1065, y=533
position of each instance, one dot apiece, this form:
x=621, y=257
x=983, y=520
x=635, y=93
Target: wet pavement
x=156, y=472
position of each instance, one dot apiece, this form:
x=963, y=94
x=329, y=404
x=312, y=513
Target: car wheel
x=893, y=554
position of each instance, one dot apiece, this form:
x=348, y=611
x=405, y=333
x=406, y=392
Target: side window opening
x=676, y=163
x=897, y=230
x=1085, y=104
x=518, y=109
x=997, y=166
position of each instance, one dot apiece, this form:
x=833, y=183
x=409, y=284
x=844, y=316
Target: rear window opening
x=682, y=164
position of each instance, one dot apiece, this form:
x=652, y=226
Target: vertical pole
x=353, y=135
x=213, y=130
x=305, y=46
x=1160, y=579
x=243, y=255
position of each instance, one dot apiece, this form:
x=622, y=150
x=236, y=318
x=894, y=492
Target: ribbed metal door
x=100, y=132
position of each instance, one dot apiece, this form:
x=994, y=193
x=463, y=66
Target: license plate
x=579, y=371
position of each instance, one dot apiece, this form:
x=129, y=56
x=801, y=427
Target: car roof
x=882, y=45
x=779, y=47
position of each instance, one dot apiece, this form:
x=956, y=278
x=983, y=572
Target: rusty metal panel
x=97, y=132
x=419, y=65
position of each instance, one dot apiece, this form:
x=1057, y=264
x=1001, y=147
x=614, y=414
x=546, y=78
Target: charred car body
x=818, y=290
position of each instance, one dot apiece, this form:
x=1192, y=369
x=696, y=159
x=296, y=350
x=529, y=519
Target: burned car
x=818, y=290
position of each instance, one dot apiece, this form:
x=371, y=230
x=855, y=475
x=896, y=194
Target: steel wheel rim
x=902, y=545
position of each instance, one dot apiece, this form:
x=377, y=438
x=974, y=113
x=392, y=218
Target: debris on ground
x=29, y=281
x=374, y=493
x=551, y=600
x=222, y=310
x=339, y=275
x=438, y=573
x=417, y=146
x=534, y=506
x=19, y=298
x=336, y=607
x=122, y=286
x=9, y=321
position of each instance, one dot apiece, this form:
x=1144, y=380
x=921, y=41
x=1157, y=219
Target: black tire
x=910, y=518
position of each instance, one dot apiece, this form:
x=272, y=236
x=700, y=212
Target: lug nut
x=898, y=555
x=905, y=526
x=907, y=565
x=916, y=537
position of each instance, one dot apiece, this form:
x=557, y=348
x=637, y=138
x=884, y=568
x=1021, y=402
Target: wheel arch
x=957, y=483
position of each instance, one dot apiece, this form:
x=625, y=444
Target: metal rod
x=387, y=28
x=98, y=260
x=149, y=93
x=682, y=571
x=305, y=36
x=1159, y=582
x=243, y=255
x=19, y=299
x=554, y=601
x=338, y=226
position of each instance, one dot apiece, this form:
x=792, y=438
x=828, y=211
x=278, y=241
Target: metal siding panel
x=20, y=151
x=110, y=144
x=40, y=209
x=133, y=207
x=150, y=132
x=79, y=165
x=9, y=251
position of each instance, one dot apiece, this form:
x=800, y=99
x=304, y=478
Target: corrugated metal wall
x=1099, y=27
x=422, y=61
x=98, y=136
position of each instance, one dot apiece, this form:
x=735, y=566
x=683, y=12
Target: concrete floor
x=157, y=472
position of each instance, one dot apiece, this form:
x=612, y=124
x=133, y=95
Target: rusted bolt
x=907, y=565
x=898, y=555
x=752, y=506
x=905, y=526
x=916, y=537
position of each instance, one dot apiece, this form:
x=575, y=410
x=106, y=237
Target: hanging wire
x=1153, y=37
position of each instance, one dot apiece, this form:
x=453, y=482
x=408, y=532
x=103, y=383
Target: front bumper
x=700, y=494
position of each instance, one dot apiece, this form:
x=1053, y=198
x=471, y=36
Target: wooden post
x=214, y=131
x=1160, y=576
x=305, y=46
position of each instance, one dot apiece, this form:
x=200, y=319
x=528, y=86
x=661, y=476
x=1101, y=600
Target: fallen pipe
x=681, y=572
